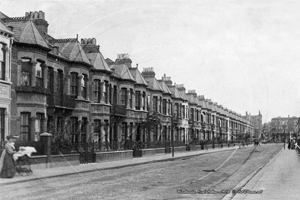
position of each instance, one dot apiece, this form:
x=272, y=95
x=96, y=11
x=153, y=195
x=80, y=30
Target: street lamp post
x=284, y=135
x=172, y=141
x=203, y=131
x=174, y=122
x=213, y=135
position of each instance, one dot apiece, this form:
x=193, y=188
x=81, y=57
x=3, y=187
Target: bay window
x=25, y=126
x=155, y=104
x=105, y=92
x=137, y=100
x=60, y=82
x=84, y=86
x=39, y=74
x=130, y=98
x=2, y=124
x=97, y=91
x=26, y=71
x=2, y=61
x=164, y=106
x=124, y=96
x=73, y=129
x=74, y=87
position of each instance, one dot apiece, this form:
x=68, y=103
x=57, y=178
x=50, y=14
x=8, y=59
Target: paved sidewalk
x=82, y=168
x=279, y=179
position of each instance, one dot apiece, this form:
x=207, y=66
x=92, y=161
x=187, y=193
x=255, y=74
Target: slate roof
x=123, y=71
x=226, y=112
x=213, y=107
x=139, y=79
x=175, y=92
x=2, y=15
x=183, y=95
x=222, y=110
x=164, y=87
x=153, y=83
x=192, y=98
x=26, y=32
x=98, y=61
x=200, y=102
x=207, y=105
x=71, y=49
x=217, y=108
x=4, y=28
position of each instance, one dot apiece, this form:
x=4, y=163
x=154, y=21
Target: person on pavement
x=289, y=144
x=292, y=144
x=7, y=163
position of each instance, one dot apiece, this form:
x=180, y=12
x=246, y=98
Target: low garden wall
x=114, y=155
x=40, y=162
x=150, y=152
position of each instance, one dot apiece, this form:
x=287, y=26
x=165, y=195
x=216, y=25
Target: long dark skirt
x=9, y=167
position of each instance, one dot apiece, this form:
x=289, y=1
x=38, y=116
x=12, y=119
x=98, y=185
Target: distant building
x=290, y=124
x=256, y=120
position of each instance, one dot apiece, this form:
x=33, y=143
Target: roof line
x=33, y=30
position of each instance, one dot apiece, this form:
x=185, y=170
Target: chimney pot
x=36, y=15
x=89, y=41
x=41, y=15
x=94, y=41
x=55, y=50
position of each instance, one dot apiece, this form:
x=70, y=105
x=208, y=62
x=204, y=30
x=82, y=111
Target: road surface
x=164, y=180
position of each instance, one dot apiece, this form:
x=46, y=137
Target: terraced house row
x=65, y=86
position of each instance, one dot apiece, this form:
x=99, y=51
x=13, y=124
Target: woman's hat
x=12, y=137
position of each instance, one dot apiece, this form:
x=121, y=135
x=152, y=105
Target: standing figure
x=7, y=163
x=289, y=144
x=292, y=144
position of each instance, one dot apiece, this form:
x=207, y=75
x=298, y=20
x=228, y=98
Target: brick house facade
x=65, y=86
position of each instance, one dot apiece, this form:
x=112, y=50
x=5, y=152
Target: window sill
x=100, y=103
x=82, y=99
x=6, y=82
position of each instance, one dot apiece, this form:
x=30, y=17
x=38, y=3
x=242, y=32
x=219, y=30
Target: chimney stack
x=55, y=50
x=89, y=45
x=148, y=72
x=123, y=59
x=167, y=80
x=38, y=18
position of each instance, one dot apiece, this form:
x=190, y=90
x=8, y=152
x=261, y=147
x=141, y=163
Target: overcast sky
x=245, y=55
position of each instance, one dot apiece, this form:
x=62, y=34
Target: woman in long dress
x=7, y=163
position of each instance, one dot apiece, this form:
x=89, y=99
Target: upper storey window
x=26, y=67
x=137, y=100
x=84, y=86
x=155, y=102
x=124, y=96
x=74, y=87
x=2, y=61
x=97, y=93
x=38, y=74
x=105, y=91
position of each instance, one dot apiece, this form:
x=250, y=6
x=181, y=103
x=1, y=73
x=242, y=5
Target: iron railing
x=60, y=100
x=118, y=110
x=130, y=145
x=32, y=89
